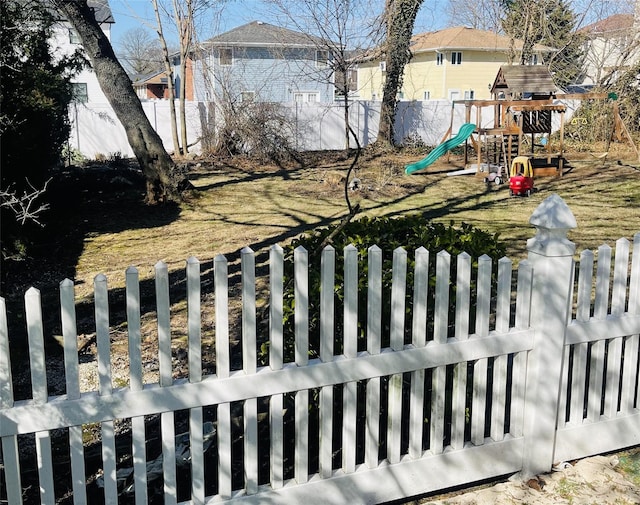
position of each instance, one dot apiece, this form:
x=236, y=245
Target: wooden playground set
x=522, y=126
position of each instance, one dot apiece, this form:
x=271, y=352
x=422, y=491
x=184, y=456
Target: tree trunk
x=170, y=86
x=159, y=170
x=400, y=16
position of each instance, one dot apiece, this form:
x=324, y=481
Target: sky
x=433, y=15
x=131, y=14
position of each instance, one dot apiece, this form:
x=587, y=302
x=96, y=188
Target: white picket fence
x=543, y=372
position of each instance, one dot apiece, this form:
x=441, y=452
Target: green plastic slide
x=463, y=134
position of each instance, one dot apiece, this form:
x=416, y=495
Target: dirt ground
x=598, y=480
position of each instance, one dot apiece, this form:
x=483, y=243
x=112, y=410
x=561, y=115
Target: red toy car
x=521, y=177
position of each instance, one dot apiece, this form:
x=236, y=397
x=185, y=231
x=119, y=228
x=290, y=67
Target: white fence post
x=551, y=256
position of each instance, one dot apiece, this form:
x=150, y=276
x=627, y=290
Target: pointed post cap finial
x=552, y=220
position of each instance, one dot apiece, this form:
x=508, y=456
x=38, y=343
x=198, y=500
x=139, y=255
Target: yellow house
x=454, y=64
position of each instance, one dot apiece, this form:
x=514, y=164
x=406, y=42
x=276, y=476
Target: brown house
x=155, y=86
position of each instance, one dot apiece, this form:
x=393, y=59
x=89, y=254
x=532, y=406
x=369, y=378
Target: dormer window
x=226, y=56
x=322, y=59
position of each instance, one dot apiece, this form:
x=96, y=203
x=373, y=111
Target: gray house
x=262, y=62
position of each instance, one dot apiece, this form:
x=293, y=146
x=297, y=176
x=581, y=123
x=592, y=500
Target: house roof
x=534, y=79
x=260, y=34
x=102, y=10
x=461, y=37
x=156, y=77
x=615, y=23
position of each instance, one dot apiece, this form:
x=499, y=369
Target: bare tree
x=163, y=182
x=139, y=51
x=480, y=14
x=168, y=68
x=340, y=30
x=399, y=18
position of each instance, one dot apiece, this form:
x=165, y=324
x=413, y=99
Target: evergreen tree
x=35, y=92
x=551, y=23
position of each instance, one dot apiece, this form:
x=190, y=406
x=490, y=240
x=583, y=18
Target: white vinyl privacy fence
x=532, y=366
x=312, y=127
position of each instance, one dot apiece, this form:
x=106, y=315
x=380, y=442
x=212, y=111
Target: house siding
x=62, y=46
x=273, y=75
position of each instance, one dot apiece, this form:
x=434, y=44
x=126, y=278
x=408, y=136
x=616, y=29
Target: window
x=468, y=95
x=456, y=58
x=426, y=95
x=534, y=59
x=79, y=91
x=74, y=38
x=439, y=58
x=306, y=97
x=383, y=66
x=248, y=96
x=226, y=56
x=322, y=59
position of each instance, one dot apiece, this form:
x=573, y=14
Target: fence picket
x=463, y=303
x=251, y=445
x=349, y=404
x=419, y=338
x=398, y=294
x=164, y=323
x=35, y=333
x=327, y=337
x=276, y=358
x=463, y=295
x=629, y=372
x=276, y=425
x=6, y=380
x=583, y=313
x=600, y=309
x=301, y=316
x=133, y=328
x=440, y=330
x=503, y=295
x=374, y=323
x=225, y=469
x=634, y=280
x=503, y=312
x=109, y=459
x=44, y=458
x=196, y=437
x=167, y=427
x=103, y=341
x=350, y=301
x=301, y=294
x=70, y=338
x=10, y=453
x=194, y=320
x=139, y=456
x=301, y=470
x=519, y=370
x=276, y=290
x=248, y=265
x=221, y=272
x=394, y=424
x=480, y=367
x=76, y=455
x=614, y=352
x=349, y=390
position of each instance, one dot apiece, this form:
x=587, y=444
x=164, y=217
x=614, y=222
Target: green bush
x=409, y=232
